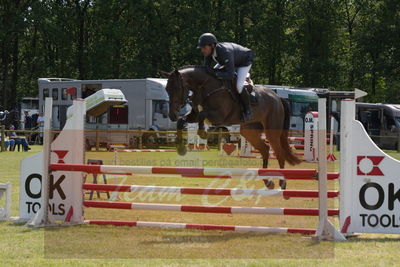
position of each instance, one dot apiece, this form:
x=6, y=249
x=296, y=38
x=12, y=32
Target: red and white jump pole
x=208, y=191
x=205, y=209
x=238, y=228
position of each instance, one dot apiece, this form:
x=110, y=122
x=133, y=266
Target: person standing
x=28, y=121
x=40, y=122
x=28, y=124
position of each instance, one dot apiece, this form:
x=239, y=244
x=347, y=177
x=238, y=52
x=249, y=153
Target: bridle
x=185, y=99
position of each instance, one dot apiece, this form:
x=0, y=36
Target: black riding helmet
x=207, y=39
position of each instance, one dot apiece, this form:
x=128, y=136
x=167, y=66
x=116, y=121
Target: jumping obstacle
x=64, y=166
x=204, y=172
x=369, y=187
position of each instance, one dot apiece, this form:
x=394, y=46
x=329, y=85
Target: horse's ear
x=164, y=73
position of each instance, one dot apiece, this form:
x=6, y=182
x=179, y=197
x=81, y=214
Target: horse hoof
x=181, y=150
x=282, y=184
x=269, y=184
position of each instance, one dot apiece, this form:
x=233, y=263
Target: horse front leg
x=180, y=126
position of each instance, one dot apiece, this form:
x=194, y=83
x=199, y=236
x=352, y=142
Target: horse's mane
x=192, y=66
x=206, y=69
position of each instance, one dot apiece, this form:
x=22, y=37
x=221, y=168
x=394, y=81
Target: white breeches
x=241, y=77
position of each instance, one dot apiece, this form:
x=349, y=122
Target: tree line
x=336, y=44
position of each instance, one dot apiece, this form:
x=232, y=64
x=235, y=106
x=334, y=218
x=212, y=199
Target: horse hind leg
x=273, y=136
x=254, y=138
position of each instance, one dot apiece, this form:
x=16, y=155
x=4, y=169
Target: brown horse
x=213, y=102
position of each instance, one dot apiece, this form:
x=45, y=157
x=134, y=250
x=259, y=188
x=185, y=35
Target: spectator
x=18, y=140
x=9, y=143
x=40, y=122
x=28, y=121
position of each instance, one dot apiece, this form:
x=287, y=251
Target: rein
x=213, y=91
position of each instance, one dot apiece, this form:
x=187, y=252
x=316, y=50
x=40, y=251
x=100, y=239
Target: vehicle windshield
x=301, y=108
x=303, y=103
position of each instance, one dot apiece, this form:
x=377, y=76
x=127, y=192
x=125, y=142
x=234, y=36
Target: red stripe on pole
x=75, y=167
x=301, y=231
x=116, y=173
x=210, y=227
x=206, y=191
x=182, y=171
x=107, y=187
x=307, y=193
x=107, y=204
x=288, y=172
x=308, y=212
x=112, y=222
x=333, y=175
x=205, y=176
x=192, y=208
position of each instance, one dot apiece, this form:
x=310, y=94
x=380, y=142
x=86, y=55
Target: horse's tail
x=289, y=156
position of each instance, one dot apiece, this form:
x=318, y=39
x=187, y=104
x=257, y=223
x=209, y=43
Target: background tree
x=338, y=44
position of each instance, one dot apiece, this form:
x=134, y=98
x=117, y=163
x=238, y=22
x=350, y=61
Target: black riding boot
x=245, y=99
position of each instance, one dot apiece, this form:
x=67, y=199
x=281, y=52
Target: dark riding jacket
x=231, y=56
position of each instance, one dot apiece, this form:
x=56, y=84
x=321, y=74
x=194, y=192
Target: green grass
x=95, y=245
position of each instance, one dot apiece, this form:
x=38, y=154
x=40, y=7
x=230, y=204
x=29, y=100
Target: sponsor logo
x=368, y=165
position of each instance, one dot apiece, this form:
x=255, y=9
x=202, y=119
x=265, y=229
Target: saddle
x=248, y=85
x=231, y=87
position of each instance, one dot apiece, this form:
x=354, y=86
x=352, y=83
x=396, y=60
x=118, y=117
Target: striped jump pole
x=296, y=146
x=205, y=209
x=272, y=154
x=203, y=226
x=145, y=150
x=301, y=139
x=208, y=191
x=249, y=173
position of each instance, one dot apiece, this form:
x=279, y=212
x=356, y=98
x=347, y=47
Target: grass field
x=99, y=245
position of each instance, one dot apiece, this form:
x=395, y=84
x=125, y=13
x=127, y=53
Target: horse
x=214, y=103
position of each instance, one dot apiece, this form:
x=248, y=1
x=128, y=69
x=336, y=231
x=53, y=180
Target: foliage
x=338, y=44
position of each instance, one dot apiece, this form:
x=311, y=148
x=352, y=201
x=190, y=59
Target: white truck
x=301, y=102
x=146, y=109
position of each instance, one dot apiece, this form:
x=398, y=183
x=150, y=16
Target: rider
x=233, y=58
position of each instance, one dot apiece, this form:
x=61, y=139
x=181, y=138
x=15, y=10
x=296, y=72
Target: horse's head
x=178, y=93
